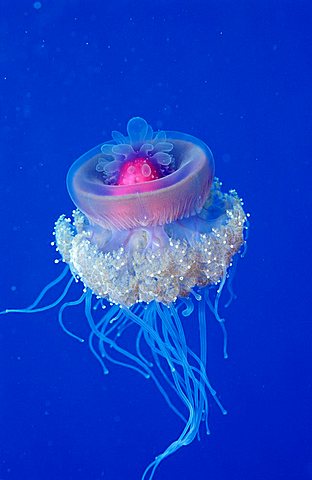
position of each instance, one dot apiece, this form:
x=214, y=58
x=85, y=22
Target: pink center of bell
x=139, y=170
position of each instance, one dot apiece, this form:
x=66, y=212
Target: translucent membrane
x=177, y=195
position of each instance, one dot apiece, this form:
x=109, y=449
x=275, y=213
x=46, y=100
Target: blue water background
x=237, y=74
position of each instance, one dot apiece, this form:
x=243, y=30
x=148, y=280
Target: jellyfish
x=152, y=240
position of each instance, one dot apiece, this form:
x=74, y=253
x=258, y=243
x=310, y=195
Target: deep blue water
x=236, y=74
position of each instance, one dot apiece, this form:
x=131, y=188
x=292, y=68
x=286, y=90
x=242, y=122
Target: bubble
x=146, y=170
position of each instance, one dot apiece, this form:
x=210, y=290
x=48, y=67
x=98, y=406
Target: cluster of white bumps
x=146, y=274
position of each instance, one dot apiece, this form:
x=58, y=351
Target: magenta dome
x=144, y=179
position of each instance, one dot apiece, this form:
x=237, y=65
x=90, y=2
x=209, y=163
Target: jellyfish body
x=152, y=240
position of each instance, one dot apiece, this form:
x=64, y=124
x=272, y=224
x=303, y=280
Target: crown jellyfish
x=152, y=240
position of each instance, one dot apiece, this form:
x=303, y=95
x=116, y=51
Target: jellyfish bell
x=152, y=240
x=144, y=181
